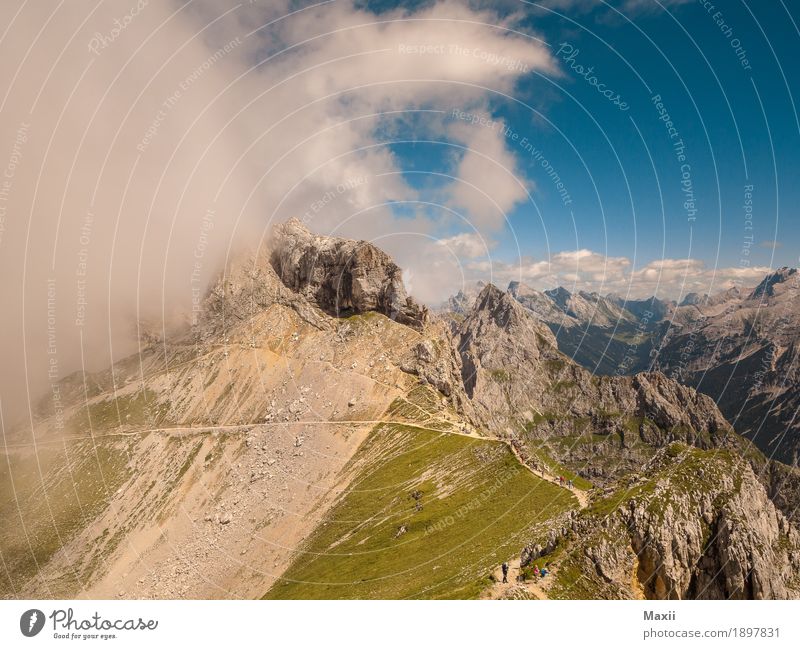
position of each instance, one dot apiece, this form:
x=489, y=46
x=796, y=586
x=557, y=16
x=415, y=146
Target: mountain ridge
x=738, y=346
x=234, y=454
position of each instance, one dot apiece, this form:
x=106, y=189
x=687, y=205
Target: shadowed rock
x=341, y=276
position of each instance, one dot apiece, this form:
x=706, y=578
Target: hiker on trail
x=505, y=572
x=536, y=571
x=569, y=483
x=561, y=480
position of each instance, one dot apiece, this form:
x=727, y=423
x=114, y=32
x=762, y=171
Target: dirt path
x=513, y=589
x=179, y=431
x=520, y=589
x=582, y=496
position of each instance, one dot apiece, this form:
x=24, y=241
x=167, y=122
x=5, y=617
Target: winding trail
x=514, y=589
x=580, y=494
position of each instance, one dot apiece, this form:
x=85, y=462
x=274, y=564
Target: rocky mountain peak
x=690, y=299
x=508, y=315
x=499, y=305
x=767, y=286
x=462, y=301
x=519, y=291
x=560, y=296
x=341, y=276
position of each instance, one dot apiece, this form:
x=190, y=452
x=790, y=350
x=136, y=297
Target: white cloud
x=489, y=182
x=240, y=108
x=467, y=245
x=592, y=271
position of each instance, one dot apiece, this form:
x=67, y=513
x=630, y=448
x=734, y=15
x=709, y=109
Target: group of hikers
x=537, y=572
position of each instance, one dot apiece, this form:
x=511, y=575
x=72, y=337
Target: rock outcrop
x=247, y=287
x=499, y=335
x=342, y=277
x=272, y=377
x=515, y=375
x=697, y=525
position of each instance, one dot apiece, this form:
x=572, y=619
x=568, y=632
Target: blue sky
x=138, y=160
x=733, y=109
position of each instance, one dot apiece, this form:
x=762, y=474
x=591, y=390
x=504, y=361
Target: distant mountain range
x=739, y=346
x=318, y=434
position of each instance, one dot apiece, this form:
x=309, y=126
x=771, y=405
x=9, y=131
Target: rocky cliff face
x=247, y=287
x=273, y=392
x=692, y=525
x=512, y=369
x=517, y=383
x=498, y=336
x=741, y=348
x=341, y=276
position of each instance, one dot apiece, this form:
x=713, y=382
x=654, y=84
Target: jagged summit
x=462, y=301
x=315, y=275
x=690, y=299
x=767, y=286
x=560, y=296
x=503, y=311
x=502, y=308
x=341, y=276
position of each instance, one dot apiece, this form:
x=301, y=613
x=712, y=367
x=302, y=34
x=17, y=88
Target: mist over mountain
x=315, y=420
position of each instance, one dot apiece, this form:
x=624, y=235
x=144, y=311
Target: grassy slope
x=478, y=508
x=50, y=498
x=43, y=511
